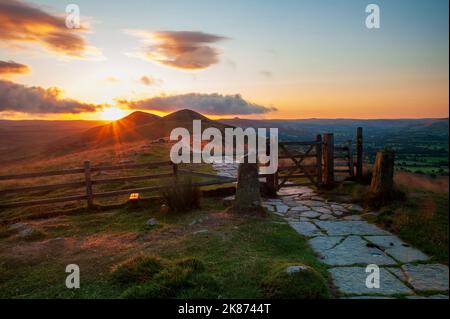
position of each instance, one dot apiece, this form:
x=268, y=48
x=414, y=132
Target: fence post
x=271, y=180
x=328, y=157
x=351, y=166
x=87, y=177
x=319, y=160
x=359, y=152
x=175, y=172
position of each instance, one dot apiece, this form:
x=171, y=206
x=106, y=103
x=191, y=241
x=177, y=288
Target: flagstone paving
x=348, y=244
x=345, y=242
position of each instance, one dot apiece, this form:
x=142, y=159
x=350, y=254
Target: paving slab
x=300, y=208
x=282, y=208
x=306, y=229
x=354, y=250
x=327, y=217
x=352, y=280
x=310, y=214
x=312, y=203
x=322, y=210
x=396, y=248
x=337, y=228
x=322, y=243
x=427, y=277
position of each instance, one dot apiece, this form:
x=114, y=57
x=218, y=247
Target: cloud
x=186, y=50
x=148, y=80
x=19, y=98
x=23, y=22
x=11, y=67
x=112, y=79
x=266, y=74
x=213, y=104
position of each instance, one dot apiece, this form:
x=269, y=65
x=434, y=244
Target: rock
x=26, y=232
x=354, y=207
x=354, y=250
x=228, y=201
x=337, y=207
x=340, y=227
x=293, y=269
x=352, y=280
x=152, y=222
x=432, y=277
x=201, y=231
x=396, y=248
x=338, y=213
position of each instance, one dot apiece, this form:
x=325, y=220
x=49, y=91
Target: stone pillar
x=248, y=197
x=383, y=174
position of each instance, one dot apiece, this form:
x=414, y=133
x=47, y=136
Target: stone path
x=348, y=244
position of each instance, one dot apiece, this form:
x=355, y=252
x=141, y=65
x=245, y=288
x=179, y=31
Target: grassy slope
x=237, y=252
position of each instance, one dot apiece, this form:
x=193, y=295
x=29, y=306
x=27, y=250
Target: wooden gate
x=299, y=164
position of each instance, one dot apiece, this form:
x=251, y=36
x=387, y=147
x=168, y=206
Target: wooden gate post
x=319, y=160
x=359, y=153
x=351, y=166
x=328, y=159
x=271, y=179
x=87, y=177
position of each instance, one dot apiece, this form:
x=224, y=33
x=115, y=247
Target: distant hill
x=134, y=127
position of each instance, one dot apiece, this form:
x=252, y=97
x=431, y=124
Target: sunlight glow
x=112, y=114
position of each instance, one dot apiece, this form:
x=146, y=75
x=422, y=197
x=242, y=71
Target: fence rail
x=88, y=182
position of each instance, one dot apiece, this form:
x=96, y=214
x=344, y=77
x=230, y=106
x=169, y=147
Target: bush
x=182, y=197
x=136, y=270
x=306, y=283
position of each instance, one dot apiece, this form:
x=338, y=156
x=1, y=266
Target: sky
x=247, y=58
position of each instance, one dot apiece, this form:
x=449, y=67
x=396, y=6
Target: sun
x=112, y=113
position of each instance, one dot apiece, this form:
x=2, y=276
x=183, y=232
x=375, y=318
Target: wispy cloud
x=266, y=74
x=11, y=67
x=185, y=50
x=213, y=104
x=19, y=98
x=26, y=23
x=149, y=80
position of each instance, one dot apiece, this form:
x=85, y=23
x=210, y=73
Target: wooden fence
x=88, y=182
x=320, y=173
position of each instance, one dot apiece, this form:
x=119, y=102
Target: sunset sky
x=247, y=58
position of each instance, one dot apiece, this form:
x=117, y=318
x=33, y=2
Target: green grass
x=421, y=220
x=231, y=260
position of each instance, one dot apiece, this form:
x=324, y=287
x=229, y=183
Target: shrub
x=136, y=270
x=182, y=197
x=306, y=283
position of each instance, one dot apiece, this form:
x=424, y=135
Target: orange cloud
x=23, y=22
x=11, y=67
x=19, y=98
x=187, y=50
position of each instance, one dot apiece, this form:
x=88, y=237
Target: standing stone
x=383, y=174
x=248, y=197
